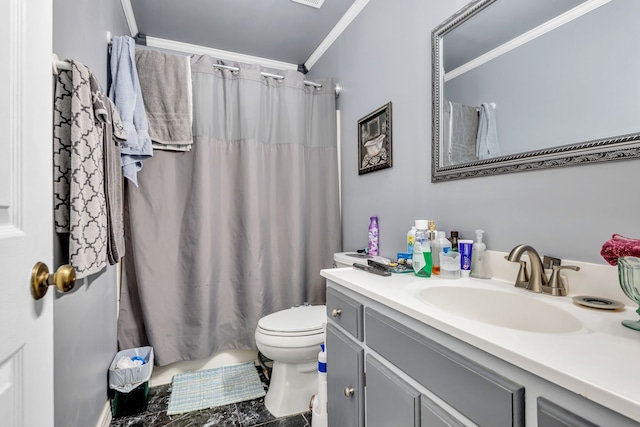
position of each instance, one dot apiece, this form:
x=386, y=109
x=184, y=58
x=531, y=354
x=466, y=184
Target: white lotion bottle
x=478, y=262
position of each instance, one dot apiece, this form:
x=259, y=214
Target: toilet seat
x=294, y=322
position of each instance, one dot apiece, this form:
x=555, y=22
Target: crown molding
x=333, y=35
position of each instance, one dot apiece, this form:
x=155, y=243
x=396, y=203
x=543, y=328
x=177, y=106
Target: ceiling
x=279, y=30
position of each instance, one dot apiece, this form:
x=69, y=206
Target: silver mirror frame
x=619, y=147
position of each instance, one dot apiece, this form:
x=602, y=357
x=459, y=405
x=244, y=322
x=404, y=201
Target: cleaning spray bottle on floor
x=319, y=410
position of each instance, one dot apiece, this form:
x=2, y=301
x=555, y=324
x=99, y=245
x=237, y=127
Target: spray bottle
x=319, y=409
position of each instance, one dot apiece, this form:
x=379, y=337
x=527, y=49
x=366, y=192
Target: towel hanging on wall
x=82, y=113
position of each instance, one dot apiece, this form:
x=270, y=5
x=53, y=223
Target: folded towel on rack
x=619, y=246
x=460, y=131
x=126, y=95
x=114, y=135
x=80, y=205
x=165, y=83
x=487, y=145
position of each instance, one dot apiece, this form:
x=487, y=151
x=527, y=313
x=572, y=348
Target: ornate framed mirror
x=534, y=84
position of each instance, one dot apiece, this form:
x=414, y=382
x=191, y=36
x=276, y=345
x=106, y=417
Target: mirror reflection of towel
x=487, y=144
x=460, y=134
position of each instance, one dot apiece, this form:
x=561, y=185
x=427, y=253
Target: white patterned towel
x=80, y=207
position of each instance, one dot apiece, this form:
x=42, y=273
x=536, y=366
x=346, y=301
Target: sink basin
x=500, y=308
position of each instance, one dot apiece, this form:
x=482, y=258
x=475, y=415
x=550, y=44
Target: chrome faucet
x=538, y=279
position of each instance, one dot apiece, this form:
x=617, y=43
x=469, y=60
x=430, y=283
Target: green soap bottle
x=422, y=261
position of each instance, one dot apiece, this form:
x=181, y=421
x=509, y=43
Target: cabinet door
x=390, y=401
x=345, y=387
x=432, y=415
x=552, y=415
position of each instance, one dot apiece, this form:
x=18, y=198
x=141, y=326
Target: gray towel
x=487, y=145
x=460, y=133
x=114, y=135
x=165, y=82
x=80, y=206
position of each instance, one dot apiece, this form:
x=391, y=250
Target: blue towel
x=126, y=95
x=487, y=145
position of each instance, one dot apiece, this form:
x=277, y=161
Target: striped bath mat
x=214, y=387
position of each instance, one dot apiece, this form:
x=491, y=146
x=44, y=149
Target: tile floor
x=251, y=413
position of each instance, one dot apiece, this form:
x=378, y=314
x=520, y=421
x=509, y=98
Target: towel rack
x=59, y=65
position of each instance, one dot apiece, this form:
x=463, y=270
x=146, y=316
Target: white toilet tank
x=346, y=259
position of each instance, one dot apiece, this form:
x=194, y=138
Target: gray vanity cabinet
x=417, y=376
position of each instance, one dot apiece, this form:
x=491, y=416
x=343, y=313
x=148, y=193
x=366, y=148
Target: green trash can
x=129, y=384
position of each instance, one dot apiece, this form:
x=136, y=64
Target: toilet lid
x=296, y=319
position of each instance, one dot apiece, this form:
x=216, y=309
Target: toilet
x=292, y=338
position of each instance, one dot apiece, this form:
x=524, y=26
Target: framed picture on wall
x=374, y=140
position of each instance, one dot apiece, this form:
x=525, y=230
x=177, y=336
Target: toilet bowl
x=292, y=338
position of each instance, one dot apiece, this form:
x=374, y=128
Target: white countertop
x=600, y=361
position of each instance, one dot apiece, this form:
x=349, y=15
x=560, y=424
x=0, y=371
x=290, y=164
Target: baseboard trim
x=105, y=416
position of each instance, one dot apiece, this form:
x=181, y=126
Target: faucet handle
x=522, y=281
x=556, y=282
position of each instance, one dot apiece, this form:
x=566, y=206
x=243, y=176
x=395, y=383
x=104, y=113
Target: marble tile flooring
x=251, y=413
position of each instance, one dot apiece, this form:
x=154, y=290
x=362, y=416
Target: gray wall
x=385, y=55
x=85, y=319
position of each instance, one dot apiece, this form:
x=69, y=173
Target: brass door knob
x=63, y=279
x=348, y=392
x=336, y=312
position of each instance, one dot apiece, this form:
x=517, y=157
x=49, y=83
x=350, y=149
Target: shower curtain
x=240, y=226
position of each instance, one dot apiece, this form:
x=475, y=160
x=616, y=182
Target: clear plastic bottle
x=411, y=239
x=373, y=236
x=441, y=244
x=478, y=262
x=422, y=261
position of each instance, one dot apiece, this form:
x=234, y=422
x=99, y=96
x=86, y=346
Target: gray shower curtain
x=240, y=226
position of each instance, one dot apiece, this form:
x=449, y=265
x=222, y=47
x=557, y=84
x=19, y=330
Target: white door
x=26, y=230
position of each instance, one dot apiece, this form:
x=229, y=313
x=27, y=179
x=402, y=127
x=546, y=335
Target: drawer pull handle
x=348, y=392
x=336, y=312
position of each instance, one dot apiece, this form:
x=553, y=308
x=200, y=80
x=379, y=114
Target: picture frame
x=374, y=140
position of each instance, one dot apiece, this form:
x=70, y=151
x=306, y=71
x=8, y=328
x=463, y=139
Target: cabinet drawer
x=480, y=394
x=345, y=312
x=390, y=400
x=552, y=415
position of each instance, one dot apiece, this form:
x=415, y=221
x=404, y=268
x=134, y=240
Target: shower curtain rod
x=338, y=87
x=64, y=65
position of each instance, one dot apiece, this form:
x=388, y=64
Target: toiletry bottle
x=432, y=233
x=373, y=236
x=440, y=245
x=478, y=266
x=411, y=239
x=454, y=241
x=422, y=262
x=466, y=249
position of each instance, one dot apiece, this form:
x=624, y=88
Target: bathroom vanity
x=399, y=354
